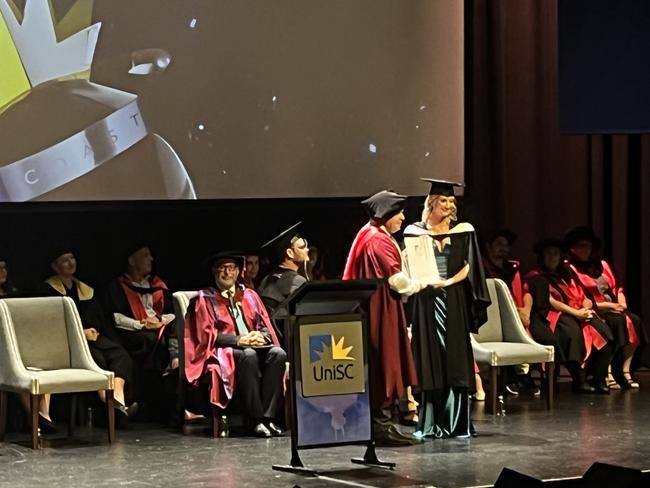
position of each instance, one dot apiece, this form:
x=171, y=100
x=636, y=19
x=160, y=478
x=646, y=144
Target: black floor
x=563, y=443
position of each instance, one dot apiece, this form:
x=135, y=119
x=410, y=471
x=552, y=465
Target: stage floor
x=562, y=443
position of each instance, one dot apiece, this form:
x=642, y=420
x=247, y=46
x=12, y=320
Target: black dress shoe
x=391, y=437
x=600, y=387
x=274, y=429
x=260, y=430
x=46, y=426
x=128, y=412
x=583, y=388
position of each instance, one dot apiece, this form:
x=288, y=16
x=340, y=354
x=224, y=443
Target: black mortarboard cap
x=231, y=254
x=59, y=249
x=442, y=187
x=581, y=233
x=507, y=234
x=384, y=204
x=283, y=241
x=131, y=247
x=542, y=244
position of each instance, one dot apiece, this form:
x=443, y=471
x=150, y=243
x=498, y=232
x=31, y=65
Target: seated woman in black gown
x=107, y=353
x=7, y=289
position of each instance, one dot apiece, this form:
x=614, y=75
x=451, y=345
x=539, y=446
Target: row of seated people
x=229, y=337
x=572, y=301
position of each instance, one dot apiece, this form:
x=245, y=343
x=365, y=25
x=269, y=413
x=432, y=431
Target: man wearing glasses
x=231, y=347
x=291, y=253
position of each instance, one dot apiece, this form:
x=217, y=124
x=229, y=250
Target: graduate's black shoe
x=600, y=387
x=130, y=411
x=46, y=426
x=583, y=388
x=260, y=430
x=274, y=429
x=391, y=437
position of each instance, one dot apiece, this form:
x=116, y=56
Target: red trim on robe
x=205, y=320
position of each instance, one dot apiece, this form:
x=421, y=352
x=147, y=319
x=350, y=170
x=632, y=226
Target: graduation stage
x=563, y=443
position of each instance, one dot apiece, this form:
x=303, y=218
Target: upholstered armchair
x=43, y=350
x=503, y=341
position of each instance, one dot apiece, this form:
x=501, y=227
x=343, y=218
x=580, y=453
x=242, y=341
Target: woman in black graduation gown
x=107, y=353
x=444, y=316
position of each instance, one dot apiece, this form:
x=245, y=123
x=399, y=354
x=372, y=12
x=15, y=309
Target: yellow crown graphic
x=35, y=48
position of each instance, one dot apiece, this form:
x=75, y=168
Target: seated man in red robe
x=231, y=347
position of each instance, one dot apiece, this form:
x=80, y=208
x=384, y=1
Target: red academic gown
x=208, y=317
x=375, y=255
x=591, y=285
x=572, y=294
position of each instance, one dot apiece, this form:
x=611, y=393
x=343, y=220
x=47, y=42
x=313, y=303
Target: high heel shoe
x=630, y=381
x=612, y=384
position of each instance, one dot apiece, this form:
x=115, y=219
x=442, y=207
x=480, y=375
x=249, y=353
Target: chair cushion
x=511, y=353
x=68, y=381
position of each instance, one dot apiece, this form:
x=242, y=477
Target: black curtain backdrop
x=520, y=173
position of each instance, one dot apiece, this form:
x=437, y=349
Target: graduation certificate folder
x=420, y=259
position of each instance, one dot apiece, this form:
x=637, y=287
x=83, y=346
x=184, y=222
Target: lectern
x=329, y=391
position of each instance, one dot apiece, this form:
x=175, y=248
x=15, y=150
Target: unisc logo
x=330, y=359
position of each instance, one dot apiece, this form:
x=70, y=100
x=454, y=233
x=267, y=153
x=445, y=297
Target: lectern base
x=370, y=459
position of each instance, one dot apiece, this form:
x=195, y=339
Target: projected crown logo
x=46, y=65
x=48, y=49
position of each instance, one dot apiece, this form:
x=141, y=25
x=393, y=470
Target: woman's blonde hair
x=430, y=201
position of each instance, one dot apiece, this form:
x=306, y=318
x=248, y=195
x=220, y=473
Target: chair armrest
x=511, y=326
x=80, y=357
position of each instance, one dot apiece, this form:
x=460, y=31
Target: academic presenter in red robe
x=376, y=255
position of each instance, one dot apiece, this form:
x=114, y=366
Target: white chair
x=503, y=341
x=43, y=350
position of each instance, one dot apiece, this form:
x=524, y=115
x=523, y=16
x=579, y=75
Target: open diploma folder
x=420, y=259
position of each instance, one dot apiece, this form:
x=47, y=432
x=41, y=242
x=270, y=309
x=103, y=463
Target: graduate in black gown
x=107, y=353
x=443, y=316
x=289, y=252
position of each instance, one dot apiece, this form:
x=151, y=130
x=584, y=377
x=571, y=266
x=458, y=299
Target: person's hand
x=585, y=313
x=524, y=316
x=174, y=363
x=253, y=338
x=440, y=284
x=91, y=334
x=152, y=323
x=619, y=307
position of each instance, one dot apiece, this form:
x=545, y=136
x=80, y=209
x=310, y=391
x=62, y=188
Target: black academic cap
x=283, y=241
x=231, y=254
x=581, y=233
x=508, y=234
x=542, y=244
x=59, y=249
x=442, y=187
x=384, y=204
x=130, y=248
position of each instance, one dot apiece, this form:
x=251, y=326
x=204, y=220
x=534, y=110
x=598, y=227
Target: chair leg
x=494, y=388
x=34, y=403
x=550, y=385
x=73, y=414
x=110, y=415
x=3, y=414
x=216, y=415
